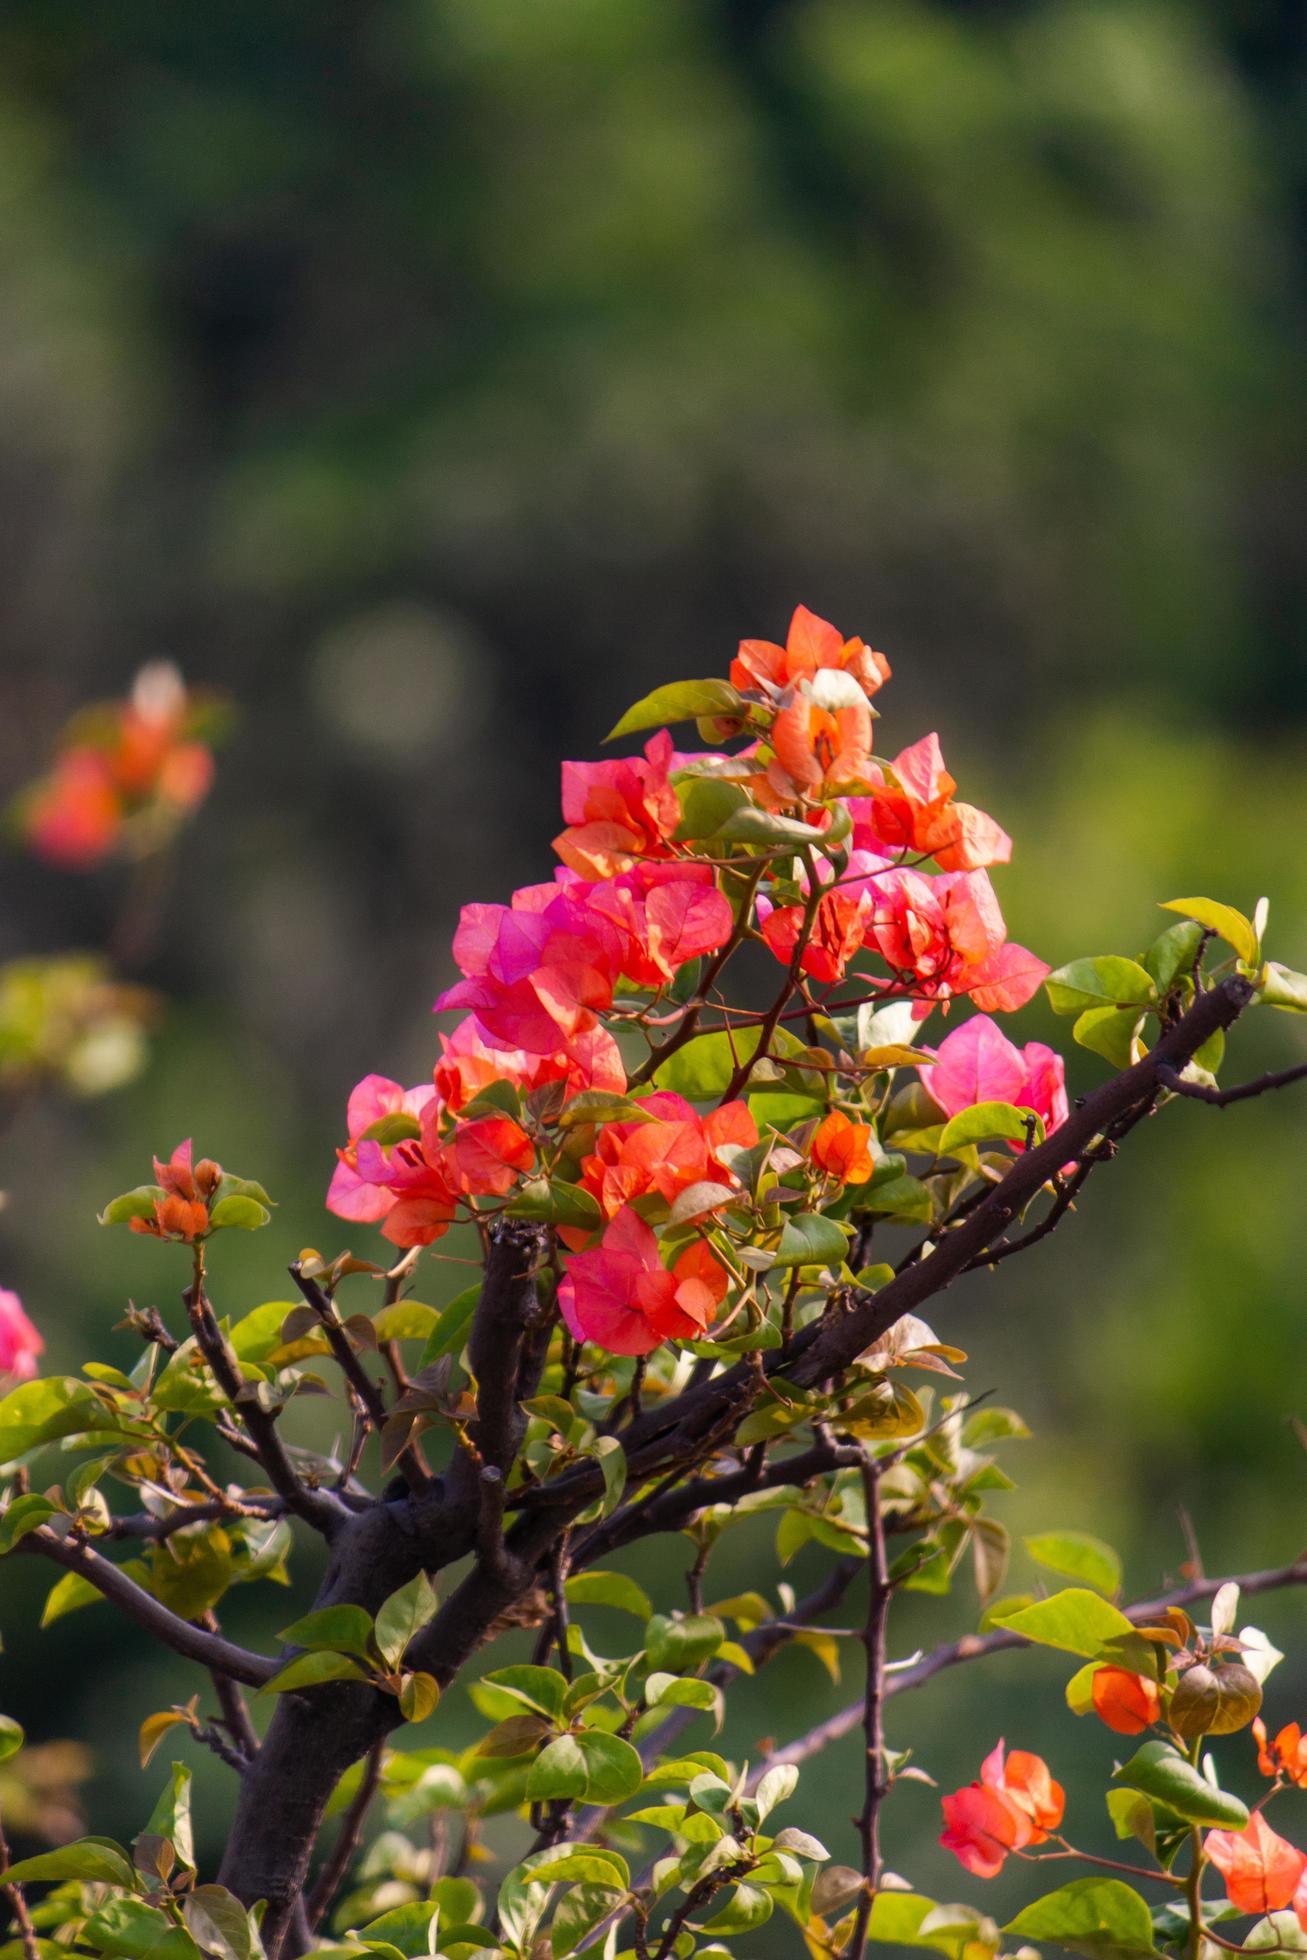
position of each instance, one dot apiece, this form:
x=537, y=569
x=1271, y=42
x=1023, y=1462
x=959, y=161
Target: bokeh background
x=434, y=376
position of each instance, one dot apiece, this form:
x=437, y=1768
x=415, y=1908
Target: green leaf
x=128, y=1927
x=22, y=1516
x=1077, y=1621
x=898, y=1197
x=1280, y=987
x=397, y=1127
x=42, y=1411
x=614, y=1771
x=244, y=1214
x=419, y=1696
x=1232, y=926
x=555, y=1203
x=608, y=1589
x=404, y=1614
x=230, y=1186
x=611, y=1458
x=1106, y=1031
x=451, y=1330
x=702, y=1070
x=683, y=1691
x=308, y=1670
x=406, y=1320
x=258, y=1334
x=1099, y=1917
x=558, y=1771
x=1077, y=1556
x=343, y=1629
x=171, y=1817
x=541, y=1688
x=12, y=1737
x=678, y=701
x=706, y=804
x=679, y=1646
x=1099, y=983
x=131, y=1204
x=988, y=1119
x=410, y=1929
x=217, y=1923
x=808, y=1239
x=1173, y=952
x=90, y=1858
x=1157, y=1770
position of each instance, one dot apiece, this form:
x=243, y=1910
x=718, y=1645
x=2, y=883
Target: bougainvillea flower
x=20, y=1343
x=123, y=758
x=536, y=971
x=182, y=1209
x=837, y=932
x=370, y=1101
x=912, y=809
x=468, y=1065
x=1015, y=1803
x=486, y=1156
x=812, y=644
x=422, y=1200
x=843, y=1149
x=622, y=1297
x=977, y=1063
x=946, y=934
x=73, y=818
x=1286, y=1756
x=1261, y=1869
x=665, y=1154
x=663, y=915
x=1128, y=1703
x=820, y=749
x=618, y=812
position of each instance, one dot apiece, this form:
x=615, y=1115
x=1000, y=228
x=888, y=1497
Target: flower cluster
x=20, y=1344
x=1016, y=1803
x=126, y=769
x=556, y=1093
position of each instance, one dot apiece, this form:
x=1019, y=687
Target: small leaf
x=451, y=1330
x=308, y=1670
x=132, y=1204
x=678, y=701
x=558, y=1771
x=345, y=1629
x=1233, y=927
x=153, y=1729
x=11, y=1737
x=1077, y=1556
x=1159, y=1771
x=613, y=1589
x=541, y=1688
x=614, y=1771
x=1099, y=983
x=418, y=1696
x=679, y=1646
x=404, y=1614
x=90, y=1858
x=244, y=1214
x=1077, y=1621
x=1102, y=1918
x=216, y=1921
x=1279, y=986
x=989, y=1119
x=808, y=1239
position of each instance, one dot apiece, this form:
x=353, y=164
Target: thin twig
x=1241, y=1092
x=18, y=1905
x=873, y=1705
x=332, y=1875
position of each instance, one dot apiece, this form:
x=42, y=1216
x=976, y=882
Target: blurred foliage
x=427, y=373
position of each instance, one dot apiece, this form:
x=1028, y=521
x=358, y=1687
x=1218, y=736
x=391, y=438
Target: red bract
x=420, y=1200
x=468, y=1064
x=622, y=1297
x=843, y=1149
x=977, y=1063
x=912, y=809
x=125, y=759
x=821, y=741
x=182, y=1212
x=1128, y=1703
x=946, y=936
x=20, y=1343
x=835, y=935
x=1286, y=1756
x=812, y=645
x=1015, y=1803
x=537, y=971
x=370, y=1102
x=618, y=812
x=1261, y=1869
x=663, y=914
x=666, y=1154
